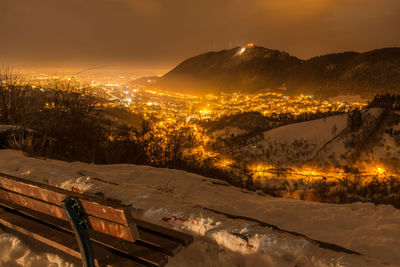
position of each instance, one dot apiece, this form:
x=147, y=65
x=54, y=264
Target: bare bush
x=31, y=144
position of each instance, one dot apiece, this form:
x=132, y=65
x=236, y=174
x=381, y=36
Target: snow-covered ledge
x=178, y=199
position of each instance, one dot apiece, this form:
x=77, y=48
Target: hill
x=253, y=68
x=250, y=68
x=330, y=141
x=373, y=72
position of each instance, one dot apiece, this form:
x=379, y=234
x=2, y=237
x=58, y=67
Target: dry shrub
x=28, y=142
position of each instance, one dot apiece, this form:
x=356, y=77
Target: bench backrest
x=103, y=216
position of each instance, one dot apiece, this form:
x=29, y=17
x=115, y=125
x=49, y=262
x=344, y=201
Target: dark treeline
x=287, y=118
x=386, y=101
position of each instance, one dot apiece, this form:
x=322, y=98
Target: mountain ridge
x=254, y=68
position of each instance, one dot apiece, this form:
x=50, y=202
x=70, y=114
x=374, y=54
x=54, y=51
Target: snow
x=187, y=202
x=15, y=253
x=315, y=131
x=295, y=142
x=323, y=140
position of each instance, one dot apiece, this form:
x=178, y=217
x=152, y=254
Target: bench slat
x=180, y=237
x=154, y=241
x=61, y=241
x=110, y=228
x=97, y=207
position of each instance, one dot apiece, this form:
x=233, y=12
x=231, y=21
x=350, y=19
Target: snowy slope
x=316, y=131
x=381, y=147
x=323, y=140
x=294, y=143
x=184, y=201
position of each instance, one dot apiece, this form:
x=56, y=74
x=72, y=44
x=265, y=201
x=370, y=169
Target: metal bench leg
x=79, y=224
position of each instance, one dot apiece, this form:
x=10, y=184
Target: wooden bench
x=117, y=238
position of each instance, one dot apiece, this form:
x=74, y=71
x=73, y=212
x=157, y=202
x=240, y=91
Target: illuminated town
x=171, y=111
x=172, y=107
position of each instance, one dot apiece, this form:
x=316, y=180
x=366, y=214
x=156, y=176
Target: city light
x=241, y=51
x=177, y=111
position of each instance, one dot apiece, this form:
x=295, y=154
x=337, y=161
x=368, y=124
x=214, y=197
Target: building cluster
x=169, y=106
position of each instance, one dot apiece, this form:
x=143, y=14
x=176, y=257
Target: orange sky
x=163, y=32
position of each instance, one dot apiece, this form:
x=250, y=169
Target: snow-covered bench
x=91, y=228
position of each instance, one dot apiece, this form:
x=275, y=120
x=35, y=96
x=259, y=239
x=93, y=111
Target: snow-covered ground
x=188, y=202
x=294, y=143
x=316, y=131
x=15, y=252
x=323, y=140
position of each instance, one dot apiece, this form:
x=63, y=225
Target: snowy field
x=199, y=206
x=294, y=143
x=323, y=140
